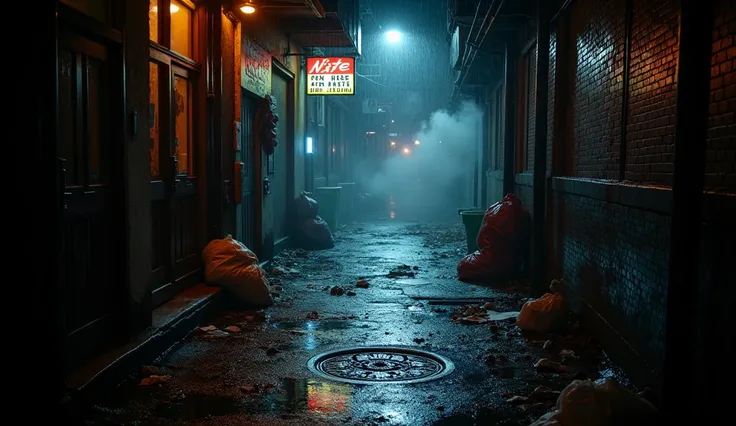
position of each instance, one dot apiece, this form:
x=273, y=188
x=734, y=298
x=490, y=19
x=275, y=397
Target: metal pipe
x=317, y=8
x=464, y=73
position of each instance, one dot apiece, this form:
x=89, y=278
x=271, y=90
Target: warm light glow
x=174, y=8
x=393, y=36
x=393, y=143
x=247, y=8
x=406, y=151
x=416, y=142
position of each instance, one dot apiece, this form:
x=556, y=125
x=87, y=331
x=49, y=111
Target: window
x=183, y=124
x=181, y=29
x=154, y=108
x=179, y=20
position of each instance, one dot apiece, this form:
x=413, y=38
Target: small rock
x=516, y=399
x=310, y=286
x=419, y=340
x=337, y=291
x=232, y=329
x=153, y=380
x=208, y=328
x=350, y=293
x=150, y=370
x=362, y=284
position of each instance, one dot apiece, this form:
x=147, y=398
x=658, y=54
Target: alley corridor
x=257, y=372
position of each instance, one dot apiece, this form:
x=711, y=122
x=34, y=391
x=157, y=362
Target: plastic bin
x=328, y=201
x=347, y=201
x=472, y=219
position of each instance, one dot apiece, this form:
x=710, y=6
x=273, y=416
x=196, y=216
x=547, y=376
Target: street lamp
x=393, y=36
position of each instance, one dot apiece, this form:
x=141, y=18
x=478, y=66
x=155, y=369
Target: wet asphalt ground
x=256, y=374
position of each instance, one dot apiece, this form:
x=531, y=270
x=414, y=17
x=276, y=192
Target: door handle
x=266, y=186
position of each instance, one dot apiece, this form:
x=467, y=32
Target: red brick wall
x=651, y=122
x=721, y=155
x=599, y=30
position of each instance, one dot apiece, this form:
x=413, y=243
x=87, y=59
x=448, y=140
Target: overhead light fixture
x=247, y=7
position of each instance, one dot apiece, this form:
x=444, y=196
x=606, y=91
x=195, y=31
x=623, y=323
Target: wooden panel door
x=90, y=159
x=174, y=204
x=249, y=234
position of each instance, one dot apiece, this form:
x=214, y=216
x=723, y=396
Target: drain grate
x=373, y=365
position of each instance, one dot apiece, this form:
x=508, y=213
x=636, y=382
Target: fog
x=430, y=179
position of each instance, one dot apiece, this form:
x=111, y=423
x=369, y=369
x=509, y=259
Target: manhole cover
x=371, y=365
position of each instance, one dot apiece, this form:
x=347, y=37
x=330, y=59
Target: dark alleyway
x=257, y=373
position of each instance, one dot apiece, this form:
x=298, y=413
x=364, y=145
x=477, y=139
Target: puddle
x=413, y=281
x=326, y=325
x=291, y=396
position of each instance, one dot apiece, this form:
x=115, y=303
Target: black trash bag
x=305, y=207
x=313, y=234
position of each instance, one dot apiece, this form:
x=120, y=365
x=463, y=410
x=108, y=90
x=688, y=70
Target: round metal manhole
x=374, y=365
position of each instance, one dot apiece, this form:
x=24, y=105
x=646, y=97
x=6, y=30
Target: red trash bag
x=502, y=241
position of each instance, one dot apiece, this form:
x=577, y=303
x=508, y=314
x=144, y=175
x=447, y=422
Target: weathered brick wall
x=721, y=156
x=531, y=107
x=599, y=28
x=615, y=259
x=651, y=122
x=551, y=99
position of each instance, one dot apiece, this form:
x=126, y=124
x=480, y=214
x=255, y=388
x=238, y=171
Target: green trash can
x=328, y=201
x=472, y=219
x=347, y=201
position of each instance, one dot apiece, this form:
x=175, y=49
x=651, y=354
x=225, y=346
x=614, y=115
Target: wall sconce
x=247, y=7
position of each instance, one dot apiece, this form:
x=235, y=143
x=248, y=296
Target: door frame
x=288, y=76
x=77, y=27
x=256, y=158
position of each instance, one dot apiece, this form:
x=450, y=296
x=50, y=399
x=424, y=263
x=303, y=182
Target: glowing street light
x=393, y=36
x=393, y=143
x=247, y=7
x=416, y=142
x=406, y=151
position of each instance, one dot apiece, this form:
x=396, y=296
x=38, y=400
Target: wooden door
x=249, y=234
x=90, y=160
x=174, y=204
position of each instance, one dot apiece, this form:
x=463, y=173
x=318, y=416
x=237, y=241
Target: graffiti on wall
x=256, y=68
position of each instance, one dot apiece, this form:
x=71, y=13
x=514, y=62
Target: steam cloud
x=435, y=175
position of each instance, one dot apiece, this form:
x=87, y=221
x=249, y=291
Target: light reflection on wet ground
x=268, y=358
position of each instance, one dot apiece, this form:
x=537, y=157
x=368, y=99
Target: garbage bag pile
x=232, y=266
x=601, y=403
x=308, y=230
x=503, y=243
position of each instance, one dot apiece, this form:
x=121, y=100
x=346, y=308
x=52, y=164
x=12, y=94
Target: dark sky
x=414, y=73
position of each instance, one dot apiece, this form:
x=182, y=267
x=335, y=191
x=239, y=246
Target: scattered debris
x=232, y=329
x=362, y=284
x=419, y=340
x=153, y=380
x=313, y=316
x=401, y=271
x=150, y=370
x=337, y=291
x=545, y=364
x=208, y=328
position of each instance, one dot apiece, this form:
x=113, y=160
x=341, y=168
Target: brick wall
x=651, y=122
x=721, y=155
x=599, y=30
x=551, y=99
x=531, y=107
